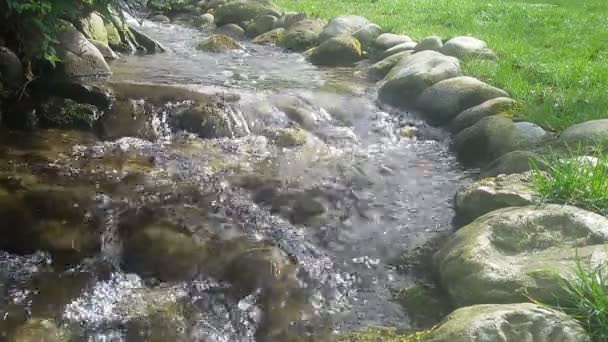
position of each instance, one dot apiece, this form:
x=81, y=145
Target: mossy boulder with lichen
x=240, y=11
x=270, y=37
x=218, y=43
x=341, y=50
x=303, y=35
x=66, y=113
x=514, y=254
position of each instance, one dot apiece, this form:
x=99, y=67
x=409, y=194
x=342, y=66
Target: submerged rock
x=446, y=99
x=163, y=251
x=508, y=322
x=66, y=113
x=342, y=50
x=303, y=35
x=291, y=137
x=270, y=37
x=467, y=47
x=218, y=43
x=494, y=193
x=160, y=18
x=494, y=136
x=469, y=117
x=207, y=121
x=239, y=11
x=513, y=254
x=386, y=41
x=39, y=330
x=342, y=26
x=414, y=74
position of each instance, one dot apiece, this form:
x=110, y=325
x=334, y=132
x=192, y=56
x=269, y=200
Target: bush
x=575, y=180
x=24, y=19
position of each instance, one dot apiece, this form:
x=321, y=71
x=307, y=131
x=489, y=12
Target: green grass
x=585, y=298
x=572, y=181
x=553, y=53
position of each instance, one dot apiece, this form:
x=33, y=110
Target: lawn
x=553, y=53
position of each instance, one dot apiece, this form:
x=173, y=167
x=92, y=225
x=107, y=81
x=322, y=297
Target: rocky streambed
x=230, y=189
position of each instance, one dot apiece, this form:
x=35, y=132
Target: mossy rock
x=39, y=330
x=337, y=51
x=94, y=28
x=218, y=43
x=163, y=251
x=425, y=305
x=291, y=137
x=66, y=113
x=271, y=37
x=517, y=254
x=510, y=322
x=207, y=121
x=383, y=334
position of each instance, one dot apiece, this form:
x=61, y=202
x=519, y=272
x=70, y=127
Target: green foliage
x=549, y=57
x=586, y=299
x=574, y=180
x=41, y=19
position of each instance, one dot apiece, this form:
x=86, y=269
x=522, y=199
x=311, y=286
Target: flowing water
x=339, y=210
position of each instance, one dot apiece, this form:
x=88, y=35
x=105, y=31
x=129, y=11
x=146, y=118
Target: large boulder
x=469, y=117
x=516, y=254
x=367, y=35
x=446, y=99
x=94, y=28
x=494, y=136
x=513, y=162
x=341, y=50
x=218, y=43
x=143, y=41
x=587, y=134
x=379, y=70
x=413, y=74
x=429, y=43
x=11, y=69
x=79, y=58
x=342, y=25
x=508, y=323
x=270, y=37
x=467, y=47
x=241, y=10
x=494, y=193
x=303, y=35
x=386, y=41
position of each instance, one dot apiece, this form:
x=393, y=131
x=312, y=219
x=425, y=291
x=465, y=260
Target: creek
x=343, y=209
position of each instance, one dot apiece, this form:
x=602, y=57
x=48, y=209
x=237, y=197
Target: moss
x=291, y=137
x=384, y=334
x=66, y=113
x=270, y=37
x=218, y=43
x=36, y=330
x=425, y=305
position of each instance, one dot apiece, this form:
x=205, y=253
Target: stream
x=336, y=213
